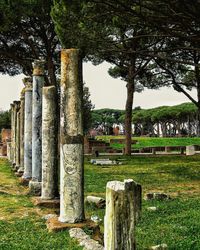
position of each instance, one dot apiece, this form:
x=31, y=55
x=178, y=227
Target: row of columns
x=34, y=146
x=34, y=152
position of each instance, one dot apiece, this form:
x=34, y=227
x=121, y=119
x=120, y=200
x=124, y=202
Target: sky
x=105, y=91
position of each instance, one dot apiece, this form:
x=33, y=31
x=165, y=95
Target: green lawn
x=176, y=221
x=21, y=226
x=154, y=141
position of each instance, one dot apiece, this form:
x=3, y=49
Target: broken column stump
x=120, y=216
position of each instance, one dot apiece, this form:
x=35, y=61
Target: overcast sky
x=106, y=92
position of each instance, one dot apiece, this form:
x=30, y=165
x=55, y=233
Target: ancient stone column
x=119, y=221
x=38, y=83
x=9, y=150
x=28, y=130
x=22, y=100
x=71, y=139
x=49, y=144
x=18, y=141
x=15, y=149
x=12, y=133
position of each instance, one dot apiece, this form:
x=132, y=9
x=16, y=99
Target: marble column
x=28, y=130
x=38, y=83
x=49, y=144
x=12, y=133
x=22, y=100
x=15, y=152
x=18, y=141
x=71, y=138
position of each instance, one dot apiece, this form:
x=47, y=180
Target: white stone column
x=28, y=130
x=22, y=100
x=12, y=133
x=71, y=139
x=38, y=83
x=119, y=221
x=15, y=155
x=9, y=150
x=49, y=144
x=18, y=140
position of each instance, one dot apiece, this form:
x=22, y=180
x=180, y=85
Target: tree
x=5, y=119
x=27, y=33
x=87, y=107
x=103, y=31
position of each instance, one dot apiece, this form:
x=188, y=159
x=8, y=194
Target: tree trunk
x=198, y=122
x=128, y=117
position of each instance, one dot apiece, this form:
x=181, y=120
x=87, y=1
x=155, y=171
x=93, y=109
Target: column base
x=41, y=202
x=20, y=170
x=35, y=188
x=18, y=174
x=25, y=180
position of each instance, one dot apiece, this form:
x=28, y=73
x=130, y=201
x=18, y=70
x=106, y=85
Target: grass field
x=154, y=141
x=21, y=226
x=176, y=221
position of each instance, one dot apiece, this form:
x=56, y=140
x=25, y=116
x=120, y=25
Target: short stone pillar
x=119, y=221
x=22, y=100
x=190, y=150
x=49, y=144
x=28, y=130
x=38, y=83
x=71, y=139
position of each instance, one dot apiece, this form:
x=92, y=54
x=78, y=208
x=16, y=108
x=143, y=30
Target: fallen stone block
x=84, y=239
x=157, y=196
x=97, y=201
x=159, y=247
x=152, y=208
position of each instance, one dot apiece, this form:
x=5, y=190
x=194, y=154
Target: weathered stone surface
x=53, y=203
x=35, y=188
x=54, y=225
x=49, y=216
x=14, y=134
x=22, y=113
x=38, y=83
x=97, y=201
x=71, y=139
x=119, y=222
x=24, y=181
x=190, y=150
x=18, y=174
x=157, y=196
x=152, y=208
x=18, y=140
x=84, y=239
x=137, y=201
x=159, y=247
x=9, y=150
x=28, y=130
x=12, y=131
x=49, y=145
